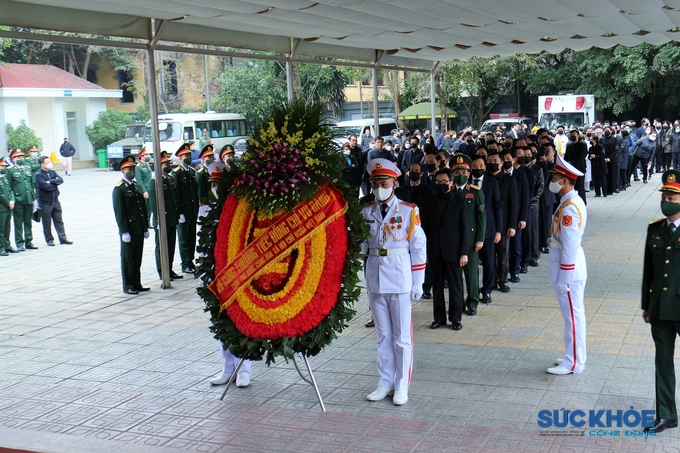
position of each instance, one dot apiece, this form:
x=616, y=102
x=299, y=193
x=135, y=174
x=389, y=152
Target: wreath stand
x=311, y=381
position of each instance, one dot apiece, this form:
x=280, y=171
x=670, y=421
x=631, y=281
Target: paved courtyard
x=87, y=368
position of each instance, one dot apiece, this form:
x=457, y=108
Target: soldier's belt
x=387, y=252
x=554, y=243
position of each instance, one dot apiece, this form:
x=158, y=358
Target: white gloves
x=146, y=234
x=126, y=237
x=417, y=291
x=563, y=287
x=181, y=218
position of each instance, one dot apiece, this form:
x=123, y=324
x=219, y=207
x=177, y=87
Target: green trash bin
x=102, y=158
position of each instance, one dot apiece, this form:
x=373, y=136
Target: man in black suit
x=446, y=225
x=576, y=154
x=419, y=192
x=358, y=173
x=432, y=163
x=494, y=223
x=523, y=216
x=548, y=200
x=510, y=211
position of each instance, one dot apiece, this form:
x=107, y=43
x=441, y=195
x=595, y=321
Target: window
x=188, y=133
x=125, y=84
x=169, y=77
x=223, y=128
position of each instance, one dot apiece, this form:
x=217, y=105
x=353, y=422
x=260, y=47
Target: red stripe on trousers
x=573, y=328
x=410, y=366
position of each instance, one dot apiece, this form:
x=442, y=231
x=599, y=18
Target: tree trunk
x=650, y=109
x=442, y=103
x=480, y=109
x=519, y=101
x=30, y=54
x=86, y=64
x=393, y=87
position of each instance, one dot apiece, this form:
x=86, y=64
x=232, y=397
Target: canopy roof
x=388, y=32
x=423, y=110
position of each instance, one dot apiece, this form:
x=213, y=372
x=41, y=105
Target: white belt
x=554, y=243
x=387, y=252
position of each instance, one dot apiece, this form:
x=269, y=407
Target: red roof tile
x=41, y=76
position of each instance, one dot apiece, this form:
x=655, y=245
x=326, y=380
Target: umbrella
x=424, y=111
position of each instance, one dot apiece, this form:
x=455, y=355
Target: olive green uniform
x=6, y=196
x=143, y=175
x=132, y=217
x=33, y=163
x=475, y=203
x=23, y=185
x=203, y=185
x=661, y=298
x=187, y=203
x=171, y=218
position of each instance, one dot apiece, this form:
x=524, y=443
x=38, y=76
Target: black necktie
x=475, y=182
x=383, y=209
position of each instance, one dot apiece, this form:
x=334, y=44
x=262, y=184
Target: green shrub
x=110, y=126
x=22, y=137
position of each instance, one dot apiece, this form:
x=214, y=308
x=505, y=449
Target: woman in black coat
x=598, y=164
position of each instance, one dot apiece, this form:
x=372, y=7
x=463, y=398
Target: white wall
x=12, y=110
x=41, y=120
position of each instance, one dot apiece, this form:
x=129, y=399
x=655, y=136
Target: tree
x=22, y=137
x=110, y=126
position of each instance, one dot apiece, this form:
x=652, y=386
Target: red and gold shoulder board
x=408, y=204
x=566, y=220
x=417, y=219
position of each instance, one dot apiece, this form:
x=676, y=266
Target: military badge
x=469, y=195
x=566, y=220
x=393, y=220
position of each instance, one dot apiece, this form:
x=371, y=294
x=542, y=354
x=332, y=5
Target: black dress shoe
x=427, y=295
x=545, y=250
x=661, y=425
x=3, y=253
x=514, y=278
x=141, y=289
x=188, y=270
x=21, y=249
x=524, y=270
x=31, y=247
x=533, y=263
x=131, y=291
x=456, y=325
x=66, y=242
x=50, y=244
x=174, y=275
x=487, y=298
x=504, y=287
x=471, y=311
x=437, y=324
x=11, y=250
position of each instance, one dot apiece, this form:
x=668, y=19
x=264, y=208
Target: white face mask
x=407, y=146
x=214, y=191
x=388, y=148
x=49, y=165
x=382, y=194
x=372, y=146
x=555, y=186
x=346, y=152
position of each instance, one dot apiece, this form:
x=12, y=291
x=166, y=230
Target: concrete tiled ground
x=84, y=367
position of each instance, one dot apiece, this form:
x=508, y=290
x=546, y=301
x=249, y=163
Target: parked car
x=132, y=143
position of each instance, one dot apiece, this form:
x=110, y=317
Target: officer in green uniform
x=203, y=176
x=661, y=297
x=460, y=164
x=171, y=214
x=227, y=152
x=32, y=160
x=187, y=201
x=6, y=207
x=144, y=173
x=132, y=218
x=21, y=180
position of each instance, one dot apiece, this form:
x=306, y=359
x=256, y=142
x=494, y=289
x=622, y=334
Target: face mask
x=20, y=162
x=372, y=146
x=167, y=169
x=187, y=161
x=652, y=138
x=573, y=138
x=507, y=165
x=209, y=161
x=560, y=132
x=130, y=175
x=214, y=191
x=526, y=160
x=469, y=140
x=477, y=172
x=431, y=168
x=34, y=154
x=147, y=159
x=669, y=209
x=382, y=194
x=414, y=176
x=607, y=134
x=493, y=168
x=665, y=128
x=555, y=186
x=677, y=130
x=49, y=165
x=346, y=152
x=407, y=146
x=388, y=148
x=442, y=188
x=460, y=180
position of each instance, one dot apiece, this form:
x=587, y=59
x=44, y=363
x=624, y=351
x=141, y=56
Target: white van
x=178, y=128
x=565, y=110
x=358, y=128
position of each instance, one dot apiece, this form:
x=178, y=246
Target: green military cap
x=126, y=162
x=671, y=181
x=185, y=148
x=226, y=149
x=206, y=151
x=460, y=161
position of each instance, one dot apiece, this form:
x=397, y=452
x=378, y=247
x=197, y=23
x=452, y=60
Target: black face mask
x=573, y=138
x=477, y=172
x=507, y=165
x=493, y=168
x=607, y=134
x=442, y=188
x=414, y=176
x=431, y=168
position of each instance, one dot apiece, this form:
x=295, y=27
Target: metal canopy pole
x=376, y=116
x=289, y=80
x=433, y=110
x=207, y=81
x=160, y=199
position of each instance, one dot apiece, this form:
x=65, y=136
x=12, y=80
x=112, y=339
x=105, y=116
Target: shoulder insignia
x=657, y=221
x=370, y=203
x=566, y=220
x=120, y=183
x=411, y=205
x=417, y=219
x=472, y=186
x=176, y=169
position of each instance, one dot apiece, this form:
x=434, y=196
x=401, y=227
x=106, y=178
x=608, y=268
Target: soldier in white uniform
x=395, y=271
x=568, y=270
